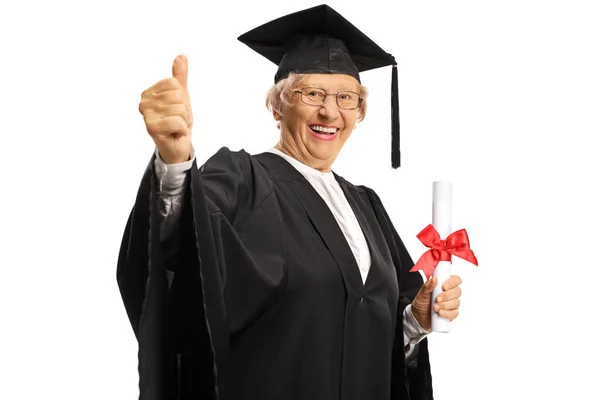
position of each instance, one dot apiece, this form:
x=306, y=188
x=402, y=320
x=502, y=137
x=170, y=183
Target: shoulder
x=362, y=190
x=226, y=158
x=238, y=164
x=235, y=181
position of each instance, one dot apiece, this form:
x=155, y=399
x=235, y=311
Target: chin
x=325, y=150
x=323, y=153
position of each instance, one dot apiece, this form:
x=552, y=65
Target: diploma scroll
x=442, y=222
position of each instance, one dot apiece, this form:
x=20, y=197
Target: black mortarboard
x=318, y=40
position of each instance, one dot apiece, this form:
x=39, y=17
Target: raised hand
x=168, y=114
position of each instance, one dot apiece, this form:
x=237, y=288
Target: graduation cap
x=319, y=40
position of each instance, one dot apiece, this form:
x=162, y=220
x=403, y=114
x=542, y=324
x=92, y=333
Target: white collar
x=304, y=169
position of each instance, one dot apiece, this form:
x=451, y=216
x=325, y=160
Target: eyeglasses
x=345, y=100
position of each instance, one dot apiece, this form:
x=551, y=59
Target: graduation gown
x=257, y=294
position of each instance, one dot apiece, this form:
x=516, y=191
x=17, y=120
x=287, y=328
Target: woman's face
x=303, y=125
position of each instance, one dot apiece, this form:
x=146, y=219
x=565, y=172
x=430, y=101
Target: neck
x=293, y=152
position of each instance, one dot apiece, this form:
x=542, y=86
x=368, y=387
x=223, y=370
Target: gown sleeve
x=186, y=294
x=414, y=375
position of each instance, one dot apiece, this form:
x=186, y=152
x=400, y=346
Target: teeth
x=323, y=129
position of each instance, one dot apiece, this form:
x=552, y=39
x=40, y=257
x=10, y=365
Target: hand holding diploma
x=446, y=303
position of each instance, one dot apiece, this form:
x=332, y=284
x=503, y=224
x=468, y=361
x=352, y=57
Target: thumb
x=422, y=302
x=429, y=286
x=180, y=70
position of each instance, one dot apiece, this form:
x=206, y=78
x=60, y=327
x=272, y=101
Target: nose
x=329, y=109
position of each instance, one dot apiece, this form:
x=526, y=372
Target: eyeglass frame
x=360, y=99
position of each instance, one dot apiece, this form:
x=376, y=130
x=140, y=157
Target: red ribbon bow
x=457, y=243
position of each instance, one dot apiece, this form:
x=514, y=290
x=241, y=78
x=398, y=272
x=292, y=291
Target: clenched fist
x=168, y=114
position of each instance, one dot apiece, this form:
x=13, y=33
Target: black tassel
x=395, y=119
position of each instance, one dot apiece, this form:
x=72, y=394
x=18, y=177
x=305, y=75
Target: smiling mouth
x=321, y=130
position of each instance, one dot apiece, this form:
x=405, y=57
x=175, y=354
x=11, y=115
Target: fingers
x=168, y=103
x=163, y=86
x=175, y=110
x=160, y=125
x=448, y=302
x=180, y=70
x=452, y=282
x=449, y=314
x=451, y=294
x=447, y=305
x=168, y=99
x=175, y=97
x=171, y=96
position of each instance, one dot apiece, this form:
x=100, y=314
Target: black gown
x=257, y=295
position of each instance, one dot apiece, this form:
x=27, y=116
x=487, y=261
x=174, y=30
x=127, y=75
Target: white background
x=500, y=97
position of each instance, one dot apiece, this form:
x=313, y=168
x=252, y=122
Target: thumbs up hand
x=168, y=114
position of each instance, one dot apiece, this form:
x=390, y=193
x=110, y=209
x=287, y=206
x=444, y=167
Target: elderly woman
x=269, y=276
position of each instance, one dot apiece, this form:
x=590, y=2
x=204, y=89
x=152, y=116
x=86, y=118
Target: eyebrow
x=341, y=89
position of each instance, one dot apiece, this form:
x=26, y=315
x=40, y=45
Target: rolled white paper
x=442, y=222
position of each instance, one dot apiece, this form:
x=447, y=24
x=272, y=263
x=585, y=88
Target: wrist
x=172, y=159
x=423, y=318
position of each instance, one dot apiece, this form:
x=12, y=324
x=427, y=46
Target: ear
x=276, y=116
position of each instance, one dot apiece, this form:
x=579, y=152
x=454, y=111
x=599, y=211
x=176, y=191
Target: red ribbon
x=457, y=244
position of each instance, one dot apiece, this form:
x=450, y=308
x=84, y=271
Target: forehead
x=332, y=82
